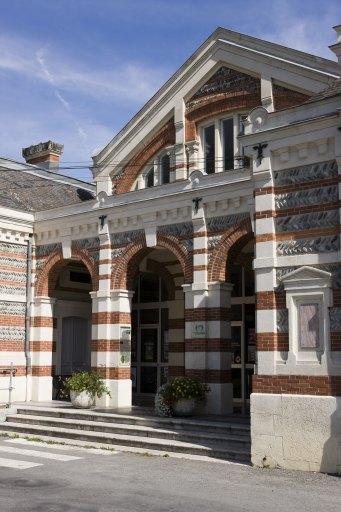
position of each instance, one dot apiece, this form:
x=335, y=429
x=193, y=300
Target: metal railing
x=11, y=371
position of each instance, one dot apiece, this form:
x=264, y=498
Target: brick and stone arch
x=230, y=243
x=125, y=179
x=126, y=265
x=47, y=277
x=227, y=90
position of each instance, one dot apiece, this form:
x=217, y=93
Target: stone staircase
x=220, y=439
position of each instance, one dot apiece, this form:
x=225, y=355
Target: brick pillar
x=41, y=336
x=110, y=350
x=207, y=342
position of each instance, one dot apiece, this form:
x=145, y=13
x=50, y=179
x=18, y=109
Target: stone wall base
x=300, y=432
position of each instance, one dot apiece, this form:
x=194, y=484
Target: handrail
x=11, y=371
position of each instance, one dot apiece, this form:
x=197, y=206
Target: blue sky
x=75, y=71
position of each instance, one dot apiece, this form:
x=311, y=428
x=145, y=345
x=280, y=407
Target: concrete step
x=230, y=440
x=217, y=450
x=191, y=424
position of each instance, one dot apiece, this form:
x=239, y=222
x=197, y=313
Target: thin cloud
x=131, y=82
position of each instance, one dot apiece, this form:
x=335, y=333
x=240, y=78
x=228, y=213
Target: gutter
x=28, y=312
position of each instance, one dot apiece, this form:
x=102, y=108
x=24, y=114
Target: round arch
x=239, y=235
x=127, y=264
x=48, y=275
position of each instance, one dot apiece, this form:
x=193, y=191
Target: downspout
x=28, y=312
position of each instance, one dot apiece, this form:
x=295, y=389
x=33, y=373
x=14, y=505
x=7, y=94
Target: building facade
x=209, y=247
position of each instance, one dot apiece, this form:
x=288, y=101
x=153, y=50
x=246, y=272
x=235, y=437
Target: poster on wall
x=125, y=346
x=199, y=330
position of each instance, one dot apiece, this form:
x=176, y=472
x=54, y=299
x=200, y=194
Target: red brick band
x=297, y=384
x=271, y=341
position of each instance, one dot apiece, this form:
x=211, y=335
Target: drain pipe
x=28, y=312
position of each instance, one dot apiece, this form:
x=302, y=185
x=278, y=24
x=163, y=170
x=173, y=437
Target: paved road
x=49, y=478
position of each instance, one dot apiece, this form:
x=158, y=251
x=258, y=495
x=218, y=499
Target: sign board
x=199, y=330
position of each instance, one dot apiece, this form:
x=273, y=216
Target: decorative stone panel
x=335, y=319
x=91, y=245
x=322, y=195
x=320, y=244
x=307, y=221
x=12, y=333
x=180, y=230
x=12, y=308
x=306, y=173
x=282, y=320
x=222, y=223
x=126, y=237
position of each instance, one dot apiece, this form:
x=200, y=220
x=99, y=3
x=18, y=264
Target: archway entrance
x=243, y=338
x=72, y=323
x=157, y=333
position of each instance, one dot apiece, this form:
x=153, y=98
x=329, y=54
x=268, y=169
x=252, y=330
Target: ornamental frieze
x=13, y=248
x=42, y=251
x=12, y=308
x=320, y=244
x=13, y=262
x=314, y=196
x=225, y=222
x=12, y=333
x=12, y=290
x=307, y=221
x=126, y=237
x=180, y=230
x=306, y=173
x=18, y=277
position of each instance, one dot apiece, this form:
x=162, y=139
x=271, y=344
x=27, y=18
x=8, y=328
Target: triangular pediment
x=223, y=83
x=305, y=273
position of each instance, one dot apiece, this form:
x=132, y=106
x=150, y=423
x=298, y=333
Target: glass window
x=149, y=180
x=165, y=169
x=228, y=149
x=209, y=149
x=149, y=345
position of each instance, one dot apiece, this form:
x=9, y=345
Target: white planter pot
x=185, y=407
x=82, y=399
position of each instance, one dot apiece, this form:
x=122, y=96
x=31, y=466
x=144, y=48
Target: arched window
x=149, y=179
x=165, y=169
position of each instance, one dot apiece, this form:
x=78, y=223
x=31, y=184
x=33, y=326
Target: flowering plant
x=179, y=388
x=87, y=381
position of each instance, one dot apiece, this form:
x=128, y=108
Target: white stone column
x=110, y=355
x=41, y=335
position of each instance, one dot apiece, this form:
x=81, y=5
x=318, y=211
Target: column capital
x=44, y=300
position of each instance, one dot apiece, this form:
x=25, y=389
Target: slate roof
x=29, y=188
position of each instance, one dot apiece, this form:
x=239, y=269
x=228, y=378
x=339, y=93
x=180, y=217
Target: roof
x=331, y=91
x=29, y=188
x=326, y=68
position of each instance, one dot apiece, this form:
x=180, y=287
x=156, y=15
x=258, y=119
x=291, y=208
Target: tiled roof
x=28, y=188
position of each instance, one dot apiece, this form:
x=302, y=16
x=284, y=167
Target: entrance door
x=75, y=346
x=243, y=343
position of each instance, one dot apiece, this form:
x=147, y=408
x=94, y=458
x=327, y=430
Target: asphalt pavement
x=36, y=477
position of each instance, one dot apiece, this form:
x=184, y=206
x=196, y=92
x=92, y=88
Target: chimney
x=45, y=155
x=336, y=48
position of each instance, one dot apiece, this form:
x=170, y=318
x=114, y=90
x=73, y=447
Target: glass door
x=149, y=339
x=243, y=340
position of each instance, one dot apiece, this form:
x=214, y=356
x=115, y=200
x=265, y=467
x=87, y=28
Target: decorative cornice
x=43, y=147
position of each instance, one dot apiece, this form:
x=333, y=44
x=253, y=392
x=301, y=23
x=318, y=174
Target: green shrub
x=87, y=381
x=184, y=388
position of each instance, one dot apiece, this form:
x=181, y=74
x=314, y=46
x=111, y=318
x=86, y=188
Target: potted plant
x=180, y=397
x=84, y=387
